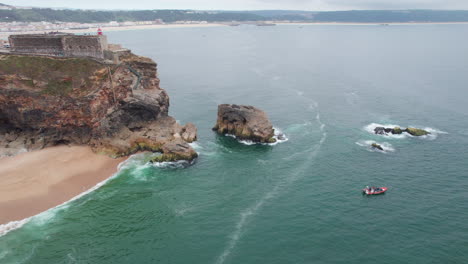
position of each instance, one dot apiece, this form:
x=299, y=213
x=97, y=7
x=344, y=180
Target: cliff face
x=116, y=109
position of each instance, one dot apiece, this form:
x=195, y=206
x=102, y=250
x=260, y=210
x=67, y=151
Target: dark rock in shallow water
x=379, y=130
x=245, y=122
x=377, y=146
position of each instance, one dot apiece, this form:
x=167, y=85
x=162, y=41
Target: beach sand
x=33, y=182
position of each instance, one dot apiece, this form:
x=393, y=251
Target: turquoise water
x=298, y=201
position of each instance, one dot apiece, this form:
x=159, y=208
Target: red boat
x=374, y=190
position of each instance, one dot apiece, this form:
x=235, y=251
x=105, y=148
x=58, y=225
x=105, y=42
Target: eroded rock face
x=116, y=109
x=245, y=122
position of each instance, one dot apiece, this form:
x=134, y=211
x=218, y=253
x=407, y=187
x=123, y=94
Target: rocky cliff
x=117, y=109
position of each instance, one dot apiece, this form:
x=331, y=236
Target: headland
x=78, y=106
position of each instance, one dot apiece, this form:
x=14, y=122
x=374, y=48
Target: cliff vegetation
x=118, y=109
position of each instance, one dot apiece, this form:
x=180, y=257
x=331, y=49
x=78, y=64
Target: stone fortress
x=66, y=45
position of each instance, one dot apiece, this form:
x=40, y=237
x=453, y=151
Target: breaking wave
x=279, y=136
x=173, y=164
x=180, y=164
x=45, y=216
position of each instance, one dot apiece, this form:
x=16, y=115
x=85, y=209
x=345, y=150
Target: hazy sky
x=246, y=4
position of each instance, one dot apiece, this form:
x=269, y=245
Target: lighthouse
x=99, y=32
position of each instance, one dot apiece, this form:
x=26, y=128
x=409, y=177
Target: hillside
x=9, y=14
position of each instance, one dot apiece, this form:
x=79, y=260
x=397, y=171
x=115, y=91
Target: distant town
x=18, y=27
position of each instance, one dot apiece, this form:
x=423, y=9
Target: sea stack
x=244, y=122
x=103, y=96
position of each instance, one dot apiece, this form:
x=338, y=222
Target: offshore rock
x=377, y=146
x=416, y=131
x=245, y=122
x=117, y=109
x=397, y=130
x=384, y=130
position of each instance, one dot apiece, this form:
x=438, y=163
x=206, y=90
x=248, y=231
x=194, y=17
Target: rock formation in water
x=244, y=122
x=377, y=146
x=117, y=109
x=397, y=130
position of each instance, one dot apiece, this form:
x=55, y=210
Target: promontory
x=64, y=89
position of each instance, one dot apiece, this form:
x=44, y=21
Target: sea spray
x=279, y=136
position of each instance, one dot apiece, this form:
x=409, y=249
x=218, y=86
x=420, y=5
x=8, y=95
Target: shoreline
x=93, y=30
x=34, y=182
x=4, y=35
x=368, y=24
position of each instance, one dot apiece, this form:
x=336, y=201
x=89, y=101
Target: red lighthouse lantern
x=99, y=31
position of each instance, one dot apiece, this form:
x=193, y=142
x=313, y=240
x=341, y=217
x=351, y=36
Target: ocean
x=325, y=87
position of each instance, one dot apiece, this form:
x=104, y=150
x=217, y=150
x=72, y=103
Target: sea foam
x=279, y=136
x=49, y=214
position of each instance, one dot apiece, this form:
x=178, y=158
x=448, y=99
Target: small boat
x=374, y=190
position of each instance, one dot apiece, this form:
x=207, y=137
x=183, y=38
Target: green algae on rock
x=417, y=131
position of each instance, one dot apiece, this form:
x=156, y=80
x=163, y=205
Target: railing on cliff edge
x=138, y=75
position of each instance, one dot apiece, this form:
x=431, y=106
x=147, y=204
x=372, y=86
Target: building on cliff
x=66, y=45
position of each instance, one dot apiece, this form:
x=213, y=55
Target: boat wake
x=252, y=210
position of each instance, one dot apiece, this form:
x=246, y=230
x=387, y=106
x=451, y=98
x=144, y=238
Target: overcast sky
x=319, y=5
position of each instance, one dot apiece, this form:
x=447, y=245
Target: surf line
x=13, y=225
x=252, y=210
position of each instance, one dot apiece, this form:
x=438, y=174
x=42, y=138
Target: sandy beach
x=33, y=182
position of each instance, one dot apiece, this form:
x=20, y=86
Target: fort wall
x=67, y=45
x=51, y=45
x=84, y=46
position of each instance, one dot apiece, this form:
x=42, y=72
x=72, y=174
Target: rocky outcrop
x=117, y=109
x=397, y=130
x=377, y=146
x=245, y=122
x=416, y=131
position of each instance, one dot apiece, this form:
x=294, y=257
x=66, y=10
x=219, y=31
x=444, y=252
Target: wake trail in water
x=281, y=185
